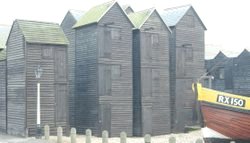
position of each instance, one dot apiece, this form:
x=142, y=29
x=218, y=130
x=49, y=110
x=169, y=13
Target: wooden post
x=123, y=137
x=147, y=138
x=59, y=134
x=73, y=135
x=88, y=135
x=172, y=140
x=105, y=136
x=46, y=132
x=199, y=141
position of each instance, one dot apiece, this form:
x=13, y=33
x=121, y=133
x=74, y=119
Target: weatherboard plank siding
x=67, y=24
x=104, y=74
x=16, y=83
x=151, y=75
x=3, y=93
x=187, y=65
x=24, y=54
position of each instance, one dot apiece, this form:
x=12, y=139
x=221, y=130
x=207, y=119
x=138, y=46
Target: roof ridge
x=176, y=7
x=37, y=21
x=152, y=8
x=100, y=10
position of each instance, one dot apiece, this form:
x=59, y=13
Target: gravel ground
x=180, y=138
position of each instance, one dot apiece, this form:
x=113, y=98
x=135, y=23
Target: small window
x=47, y=53
x=190, y=21
x=221, y=73
x=116, y=71
x=154, y=39
x=189, y=53
x=105, y=44
x=116, y=33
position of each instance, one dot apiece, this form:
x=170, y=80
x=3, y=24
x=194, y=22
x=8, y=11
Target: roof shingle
x=94, y=14
x=42, y=32
x=2, y=54
x=139, y=18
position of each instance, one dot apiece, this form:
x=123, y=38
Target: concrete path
x=14, y=139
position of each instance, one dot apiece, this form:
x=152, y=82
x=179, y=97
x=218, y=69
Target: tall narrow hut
x=4, y=32
x=221, y=68
x=231, y=74
x=128, y=9
x=186, y=62
x=68, y=22
x=151, y=106
x=240, y=75
x=30, y=44
x=104, y=70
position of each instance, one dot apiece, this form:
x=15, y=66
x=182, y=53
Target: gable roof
x=77, y=14
x=2, y=54
x=4, y=32
x=127, y=7
x=95, y=14
x=139, y=18
x=172, y=16
x=220, y=55
x=244, y=53
x=42, y=32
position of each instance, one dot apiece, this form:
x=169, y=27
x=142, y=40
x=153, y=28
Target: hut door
x=105, y=117
x=61, y=104
x=147, y=120
x=60, y=66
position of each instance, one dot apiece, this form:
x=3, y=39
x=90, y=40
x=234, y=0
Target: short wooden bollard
x=46, y=132
x=172, y=140
x=88, y=135
x=59, y=134
x=199, y=141
x=105, y=136
x=123, y=137
x=147, y=138
x=73, y=135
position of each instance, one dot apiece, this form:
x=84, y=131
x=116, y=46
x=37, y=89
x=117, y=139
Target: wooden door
x=105, y=117
x=60, y=65
x=61, y=103
x=147, y=120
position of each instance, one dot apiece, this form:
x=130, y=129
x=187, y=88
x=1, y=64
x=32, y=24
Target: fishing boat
x=225, y=116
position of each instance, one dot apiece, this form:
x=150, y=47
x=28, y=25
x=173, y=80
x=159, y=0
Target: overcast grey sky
x=227, y=21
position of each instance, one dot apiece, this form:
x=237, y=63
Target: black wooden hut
x=151, y=106
x=4, y=32
x=240, y=74
x=68, y=22
x=231, y=74
x=104, y=70
x=221, y=68
x=186, y=62
x=3, y=98
x=30, y=44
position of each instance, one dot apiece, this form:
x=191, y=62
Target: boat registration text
x=231, y=101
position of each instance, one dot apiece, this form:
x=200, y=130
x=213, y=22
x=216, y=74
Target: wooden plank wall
x=3, y=99
x=16, y=104
x=137, y=119
x=189, y=67
x=86, y=97
x=53, y=82
x=67, y=25
x=104, y=84
x=154, y=68
x=118, y=68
